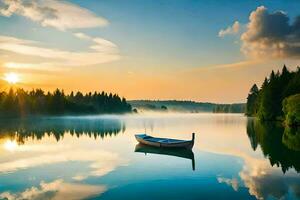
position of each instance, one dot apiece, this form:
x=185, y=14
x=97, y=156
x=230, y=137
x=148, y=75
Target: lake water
x=98, y=157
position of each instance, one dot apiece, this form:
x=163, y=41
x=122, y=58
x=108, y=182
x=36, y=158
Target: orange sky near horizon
x=220, y=84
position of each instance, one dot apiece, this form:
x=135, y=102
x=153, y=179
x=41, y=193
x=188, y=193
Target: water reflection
x=279, y=145
x=180, y=152
x=59, y=158
x=291, y=138
x=37, y=128
x=57, y=189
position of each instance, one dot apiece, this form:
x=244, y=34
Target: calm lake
x=98, y=157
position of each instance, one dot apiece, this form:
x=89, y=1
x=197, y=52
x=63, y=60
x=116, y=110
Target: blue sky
x=161, y=41
x=179, y=29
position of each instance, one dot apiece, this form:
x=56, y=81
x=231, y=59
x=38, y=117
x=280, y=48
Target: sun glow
x=10, y=145
x=12, y=78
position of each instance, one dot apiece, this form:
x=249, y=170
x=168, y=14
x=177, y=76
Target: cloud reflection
x=231, y=182
x=266, y=182
x=56, y=190
x=34, y=155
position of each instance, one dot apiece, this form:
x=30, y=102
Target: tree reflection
x=291, y=138
x=280, y=145
x=37, y=128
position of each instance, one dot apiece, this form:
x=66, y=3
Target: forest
x=278, y=99
x=19, y=102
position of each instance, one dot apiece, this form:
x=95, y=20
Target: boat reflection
x=177, y=152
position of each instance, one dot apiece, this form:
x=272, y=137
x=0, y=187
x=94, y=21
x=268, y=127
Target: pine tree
x=266, y=103
x=252, y=101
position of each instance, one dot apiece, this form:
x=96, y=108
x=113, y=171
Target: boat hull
x=164, y=142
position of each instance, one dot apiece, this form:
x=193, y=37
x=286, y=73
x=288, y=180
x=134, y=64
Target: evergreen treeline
x=267, y=102
x=20, y=103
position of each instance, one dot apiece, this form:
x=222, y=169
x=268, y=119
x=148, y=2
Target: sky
x=148, y=49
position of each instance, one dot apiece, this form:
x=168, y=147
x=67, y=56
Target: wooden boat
x=176, y=152
x=165, y=142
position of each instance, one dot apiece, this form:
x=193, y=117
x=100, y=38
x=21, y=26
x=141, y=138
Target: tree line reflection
x=279, y=144
x=37, y=128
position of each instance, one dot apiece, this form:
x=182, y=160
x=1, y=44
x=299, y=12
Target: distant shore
x=186, y=106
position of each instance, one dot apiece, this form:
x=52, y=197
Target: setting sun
x=10, y=145
x=12, y=78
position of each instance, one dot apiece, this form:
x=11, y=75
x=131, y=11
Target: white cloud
x=99, y=44
x=231, y=30
x=270, y=35
x=34, y=66
x=56, y=190
x=58, y=14
x=101, y=51
x=82, y=36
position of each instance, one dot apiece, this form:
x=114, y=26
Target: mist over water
x=97, y=157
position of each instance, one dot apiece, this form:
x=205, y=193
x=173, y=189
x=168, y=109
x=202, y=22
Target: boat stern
x=140, y=136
